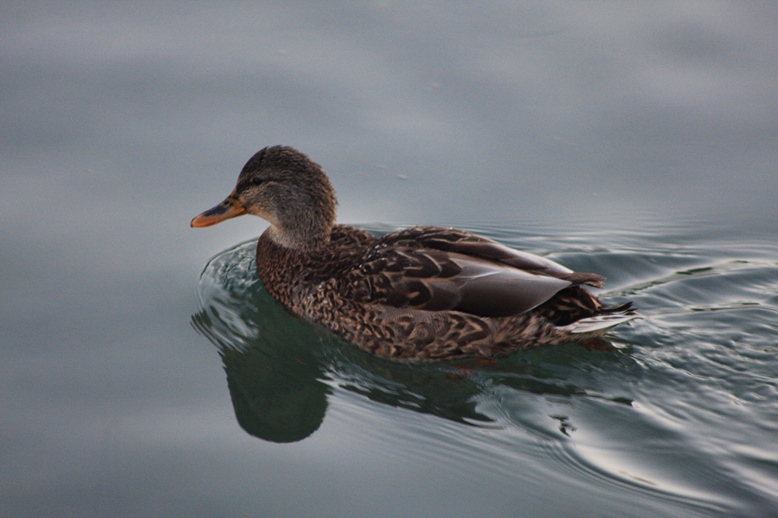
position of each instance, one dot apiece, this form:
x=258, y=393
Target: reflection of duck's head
x=277, y=398
x=288, y=189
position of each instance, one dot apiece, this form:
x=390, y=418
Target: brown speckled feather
x=388, y=300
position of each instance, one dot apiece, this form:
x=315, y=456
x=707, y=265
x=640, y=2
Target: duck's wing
x=440, y=269
x=468, y=244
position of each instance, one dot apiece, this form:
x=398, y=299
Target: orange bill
x=227, y=209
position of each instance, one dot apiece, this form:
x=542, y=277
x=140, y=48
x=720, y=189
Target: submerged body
x=419, y=293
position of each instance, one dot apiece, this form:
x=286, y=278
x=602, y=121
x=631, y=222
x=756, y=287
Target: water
x=140, y=378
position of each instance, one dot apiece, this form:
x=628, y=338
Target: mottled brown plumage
x=419, y=293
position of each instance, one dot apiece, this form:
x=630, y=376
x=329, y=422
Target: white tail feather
x=598, y=323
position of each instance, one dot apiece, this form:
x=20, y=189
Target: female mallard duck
x=420, y=293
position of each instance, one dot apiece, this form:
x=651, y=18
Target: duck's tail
x=606, y=318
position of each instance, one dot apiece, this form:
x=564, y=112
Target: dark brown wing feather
x=438, y=269
x=465, y=243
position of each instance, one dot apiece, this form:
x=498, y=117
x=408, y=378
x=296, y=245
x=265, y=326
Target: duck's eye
x=256, y=181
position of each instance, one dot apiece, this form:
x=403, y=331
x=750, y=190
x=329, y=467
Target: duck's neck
x=305, y=240
x=303, y=224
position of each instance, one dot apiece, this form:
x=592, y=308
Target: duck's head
x=288, y=189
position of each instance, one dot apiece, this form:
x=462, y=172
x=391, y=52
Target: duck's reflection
x=275, y=398
x=281, y=370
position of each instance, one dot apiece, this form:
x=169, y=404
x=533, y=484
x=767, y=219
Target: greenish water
x=679, y=420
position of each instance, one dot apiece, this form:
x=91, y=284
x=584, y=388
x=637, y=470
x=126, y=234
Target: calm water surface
x=138, y=377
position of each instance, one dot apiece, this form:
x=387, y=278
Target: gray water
x=144, y=370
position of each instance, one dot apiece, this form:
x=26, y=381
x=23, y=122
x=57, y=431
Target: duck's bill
x=227, y=209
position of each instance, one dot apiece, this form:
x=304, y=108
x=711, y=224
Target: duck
x=420, y=293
